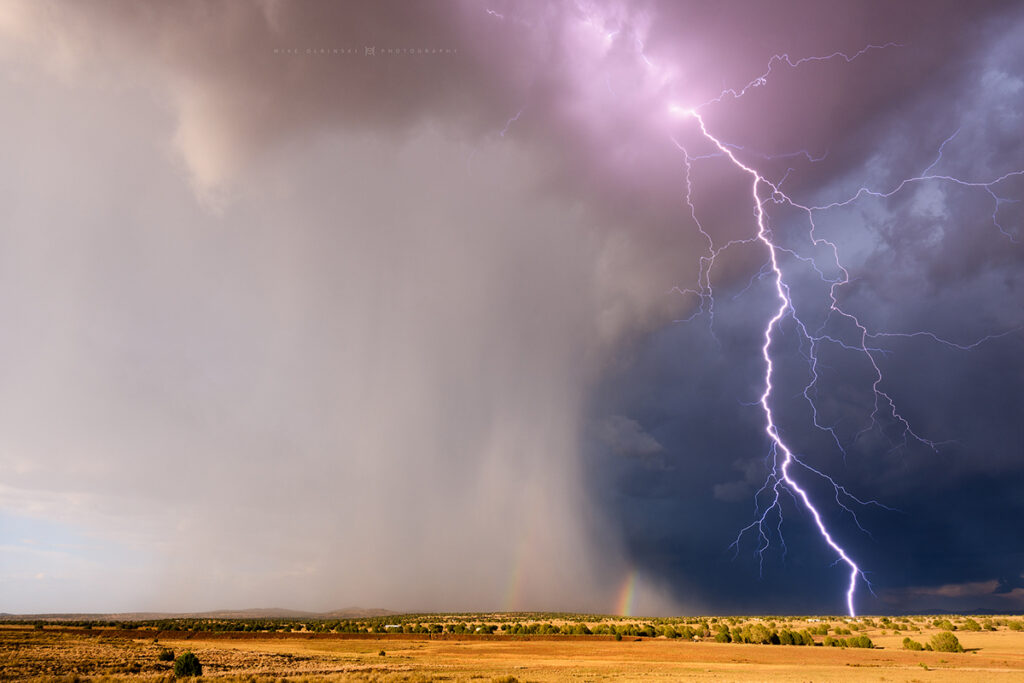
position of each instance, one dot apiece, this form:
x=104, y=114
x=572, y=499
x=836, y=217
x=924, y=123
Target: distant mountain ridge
x=353, y=613
x=253, y=613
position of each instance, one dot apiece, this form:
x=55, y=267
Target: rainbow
x=514, y=584
x=513, y=587
x=627, y=595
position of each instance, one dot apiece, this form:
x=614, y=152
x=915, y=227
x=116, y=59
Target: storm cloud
x=332, y=303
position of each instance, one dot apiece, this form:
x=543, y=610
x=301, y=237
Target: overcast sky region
x=399, y=304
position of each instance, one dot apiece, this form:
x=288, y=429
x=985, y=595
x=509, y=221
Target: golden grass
x=71, y=655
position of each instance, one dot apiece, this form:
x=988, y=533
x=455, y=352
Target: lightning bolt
x=763, y=191
x=781, y=470
x=508, y=124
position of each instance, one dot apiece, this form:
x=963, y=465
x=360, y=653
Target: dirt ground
x=27, y=654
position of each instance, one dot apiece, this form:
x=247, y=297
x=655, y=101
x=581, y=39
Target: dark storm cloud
x=931, y=258
x=626, y=437
x=431, y=259
x=1008, y=584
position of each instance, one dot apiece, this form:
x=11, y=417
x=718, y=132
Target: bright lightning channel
x=785, y=306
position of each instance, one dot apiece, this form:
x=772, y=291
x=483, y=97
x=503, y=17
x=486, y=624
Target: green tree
x=971, y=625
x=860, y=641
x=911, y=644
x=946, y=642
x=187, y=664
x=756, y=633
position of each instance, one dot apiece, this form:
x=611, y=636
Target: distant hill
x=980, y=611
x=359, y=613
x=256, y=613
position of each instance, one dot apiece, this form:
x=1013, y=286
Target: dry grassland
x=71, y=654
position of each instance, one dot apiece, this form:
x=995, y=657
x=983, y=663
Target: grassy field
x=72, y=653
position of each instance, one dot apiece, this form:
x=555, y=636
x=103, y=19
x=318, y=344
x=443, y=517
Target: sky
x=455, y=306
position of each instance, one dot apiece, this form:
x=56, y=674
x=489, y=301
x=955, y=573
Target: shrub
x=860, y=641
x=723, y=636
x=757, y=633
x=946, y=642
x=166, y=655
x=971, y=625
x=187, y=664
x=911, y=644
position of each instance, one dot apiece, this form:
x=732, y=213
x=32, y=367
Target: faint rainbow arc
x=627, y=595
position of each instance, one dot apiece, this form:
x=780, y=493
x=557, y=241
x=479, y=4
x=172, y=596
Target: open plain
x=30, y=652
